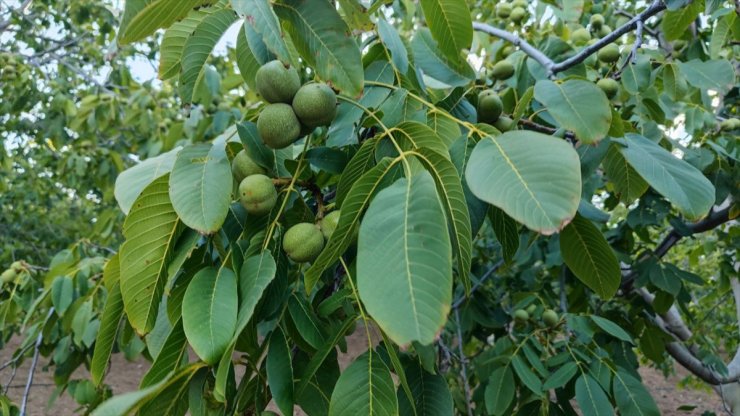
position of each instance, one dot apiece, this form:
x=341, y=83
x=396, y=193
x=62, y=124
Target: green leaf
x=133, y=180
x=198, y=48
x=721, y=34
x=420, y=135
x=664, y=279
x=364, y=388
x=404, y=264
x=679, y=182
x=169, y=357
x=151, y=231
x=256, y=273
x=674, y=22
x=392, y=40
x=209, y=312
x=450, y=23
x=156, y=15
x=255, y=148
x=112, y=272
x=453, y=72
x=431, y=394
x=561, y=377
x=526, y=375
x=576, y=105
x=305, y=321
x=632, y=397
x=200, y=186
x=628, y=184
x=173, y=43
x=507, y=232
x=280, y=372
x=534, y=178
x=324, y=42
x=109, y=324
x=636, y=76
x=611, y=328
x=258, y=14
x=446, y=129
x=450, y=190
x=674, y=83
x=356, y=15
x=589, y=256
x=718, y=74
x=360, y=163
x=330, y=345
x=356, y=201
x=500, y=390
x=591, y=398
x=251, y=53
x=62, y=294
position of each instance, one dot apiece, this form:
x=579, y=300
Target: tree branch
x=463, y=364
x=20, y=9
x=513, y=38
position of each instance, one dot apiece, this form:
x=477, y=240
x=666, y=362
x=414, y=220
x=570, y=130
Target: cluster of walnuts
x=16, y=269
x=293, y=111
x=490, y=106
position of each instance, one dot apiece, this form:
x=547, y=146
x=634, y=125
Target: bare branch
x=463, y=364
x=735, y=283
x=530, y=50
x=632, y=58
x=456, y=304
x=29, y=382
x=20, y=9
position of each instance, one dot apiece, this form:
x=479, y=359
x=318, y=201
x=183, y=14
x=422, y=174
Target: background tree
x=497, y=195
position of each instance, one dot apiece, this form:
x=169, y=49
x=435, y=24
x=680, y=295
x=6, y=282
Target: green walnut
x=504, y=124
x=605, y=30
x=550, y=318
x=531, y=309
x=581, y=36
x=518, y=14
x=8, y=276
x=520, y=3
x=597, y=21
x=609, y=86
x=278, y=126
x=609, y=53
x=315, y=105
x=507, y=50
x=520, y=315
x=502, y=70
x=489, y=107
x=243, y=166
x=329, y=223
x=303, y=242
x=730, y=124
x=277, y=83
x=17, y=266
x=257, y=194
x=503, y=10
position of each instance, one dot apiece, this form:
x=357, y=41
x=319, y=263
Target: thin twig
x=29, y=383
x=563, y=297
x=530, y=50
x=16, y=358
x=463, y=364
x=456, y=304
x=632, y=57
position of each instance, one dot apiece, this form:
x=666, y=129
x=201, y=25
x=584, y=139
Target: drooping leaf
x=589, y=256
x=198, y=48
x=109, y=323
x=323, y=40
x=62, y=294
x=526, y=375
x=500, y=390
x=392, y=40
x=533, y=178
x=591, y=398
x=173, y=42
x=260, y=16
x=151, y=231
x=453, y=72
x=611, y=328
x=256, y=273
x=450, y=23
x=209, y=312
x=157, y=14
x=169, y=357
x=364, y=388
x=360, y=163
x=404, y=265
x=507, y=232
x=561, y=376
x=632, y=397
x=674, y=22
x=280, y=371
x=722, y=33
x=576, y=105
x=200, y=186
x=430, y=392
x=251, y=54
x=628, y=184
x=133, y=180
x=716, y=74
x=676, y=180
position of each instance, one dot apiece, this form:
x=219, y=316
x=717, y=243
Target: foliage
x=510, y=267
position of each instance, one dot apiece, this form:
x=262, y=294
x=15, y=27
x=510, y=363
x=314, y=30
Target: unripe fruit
x=329, y=223
x=8, y=276
x=520, y=315
x=315, y=105
x=504, y=124
x=502, y=70
x=609, y=86
x=531, y=309
x=257, y=194
x=581, y=36
x=518, y=14
x=277, y=83
x=605, y=30
x=243, y=166
x=609, y=53
x=520, y=3
x=550, y=318
x=303, y=242
x=597, y=21
x=730, y=124
x=503, y=10
x=507, y=50
x=679, y=44
x=489, y=107
x=17, y=266
x=278, y=126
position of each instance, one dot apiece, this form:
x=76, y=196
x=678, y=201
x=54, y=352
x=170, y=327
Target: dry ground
x=124, y=376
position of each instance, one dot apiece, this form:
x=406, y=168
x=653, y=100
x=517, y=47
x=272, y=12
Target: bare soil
x=124, y=376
